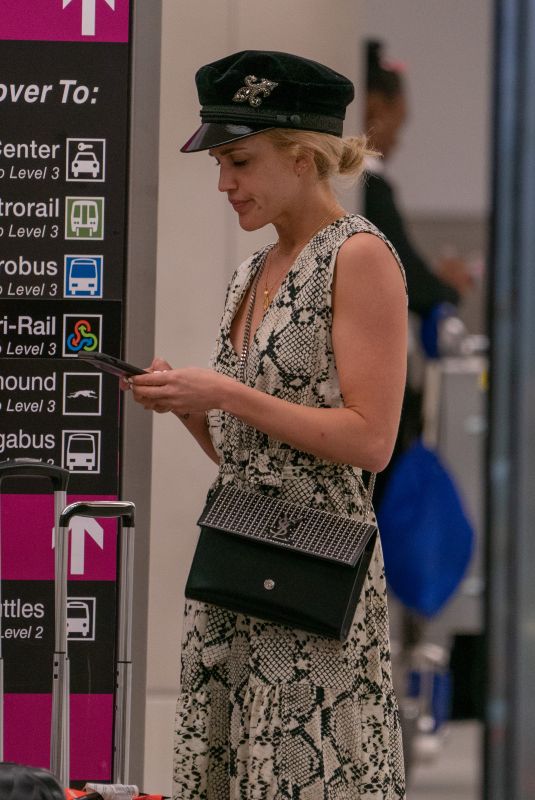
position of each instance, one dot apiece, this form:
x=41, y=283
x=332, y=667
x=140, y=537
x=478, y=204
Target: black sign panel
x=63, y=168
x=63, y=172
x=64, y=99
x=28, y=636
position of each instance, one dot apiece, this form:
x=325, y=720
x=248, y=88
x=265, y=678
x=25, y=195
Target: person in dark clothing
x=386, y=112
x=425, y=288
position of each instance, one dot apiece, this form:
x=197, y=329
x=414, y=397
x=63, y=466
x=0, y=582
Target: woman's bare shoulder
x=366, y=245
x=367, y=257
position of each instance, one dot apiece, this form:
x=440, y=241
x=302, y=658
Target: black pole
x=509, y=772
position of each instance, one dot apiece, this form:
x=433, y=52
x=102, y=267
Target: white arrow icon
x=89, y=14
x=78, y=527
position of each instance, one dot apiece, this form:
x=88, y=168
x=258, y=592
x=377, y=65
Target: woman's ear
x=303, y=163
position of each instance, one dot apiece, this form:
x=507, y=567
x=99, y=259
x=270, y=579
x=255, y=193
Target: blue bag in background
x=426, y=536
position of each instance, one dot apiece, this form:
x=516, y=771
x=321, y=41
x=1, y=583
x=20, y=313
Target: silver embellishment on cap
x=269, y=584
x=253, y=89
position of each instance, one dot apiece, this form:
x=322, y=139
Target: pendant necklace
x=266, y=295
x=266, y=300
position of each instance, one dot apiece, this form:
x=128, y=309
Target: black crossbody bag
x=279, y=561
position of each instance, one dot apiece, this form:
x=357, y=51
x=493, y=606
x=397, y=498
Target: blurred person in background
x=386, y=111
x=385, y=114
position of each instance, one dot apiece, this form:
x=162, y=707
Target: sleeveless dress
x=267, y=712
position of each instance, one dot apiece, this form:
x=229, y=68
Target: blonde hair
x=332, y=155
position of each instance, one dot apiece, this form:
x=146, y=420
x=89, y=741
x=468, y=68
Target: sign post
x=65, y=89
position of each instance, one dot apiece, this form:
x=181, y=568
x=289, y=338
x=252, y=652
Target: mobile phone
x=111, y=364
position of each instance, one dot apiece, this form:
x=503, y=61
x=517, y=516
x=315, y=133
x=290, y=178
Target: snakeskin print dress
x=267, y=712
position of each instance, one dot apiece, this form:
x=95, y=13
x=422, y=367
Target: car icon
x=85, y=163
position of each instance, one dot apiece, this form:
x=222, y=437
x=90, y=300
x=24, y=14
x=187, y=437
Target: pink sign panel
x=28, y=723
x=65, y=20
x=27, y=522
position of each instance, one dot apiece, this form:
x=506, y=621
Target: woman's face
x=261, y=182
x=385, y=116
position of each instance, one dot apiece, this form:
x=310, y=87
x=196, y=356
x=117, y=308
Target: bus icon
x=77, y=618
x=83, y=276
x=81, y=451
x=81, y=618
x=84, y=217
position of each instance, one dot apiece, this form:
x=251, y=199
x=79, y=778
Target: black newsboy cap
x=253, y=90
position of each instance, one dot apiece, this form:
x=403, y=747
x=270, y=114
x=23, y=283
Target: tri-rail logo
x=81, y=334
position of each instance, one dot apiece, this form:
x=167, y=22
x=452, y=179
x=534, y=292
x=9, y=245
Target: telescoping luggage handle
x=59, y=753
x=59, y=477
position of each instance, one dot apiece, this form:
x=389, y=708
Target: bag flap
x=283, y=524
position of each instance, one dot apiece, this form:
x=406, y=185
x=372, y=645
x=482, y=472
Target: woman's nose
x=226, y=180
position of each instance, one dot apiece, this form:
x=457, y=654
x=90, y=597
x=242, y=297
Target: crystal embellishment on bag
x=254, y=91
x=306, y=530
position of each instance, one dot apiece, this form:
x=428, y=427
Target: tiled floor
x=455, y=772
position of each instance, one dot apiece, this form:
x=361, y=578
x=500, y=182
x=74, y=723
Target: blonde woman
x=265, y=710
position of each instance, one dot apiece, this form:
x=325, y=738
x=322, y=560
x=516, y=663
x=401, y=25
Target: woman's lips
x=239, y=205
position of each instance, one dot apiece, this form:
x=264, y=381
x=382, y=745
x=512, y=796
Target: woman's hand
x=182, y=391
x=187, y=393
x=455, y=272
x=125, y=384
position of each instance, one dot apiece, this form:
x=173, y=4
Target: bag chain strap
x=242, y=367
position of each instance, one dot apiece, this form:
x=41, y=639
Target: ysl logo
x=282, y=528
x=254, y=91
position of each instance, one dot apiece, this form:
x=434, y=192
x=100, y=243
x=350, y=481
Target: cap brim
x=214, y=134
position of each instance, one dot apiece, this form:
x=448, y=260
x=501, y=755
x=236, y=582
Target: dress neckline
x=258, y=261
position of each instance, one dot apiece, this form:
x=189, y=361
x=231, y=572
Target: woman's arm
x=198, y=427
x=369, y=340
x=195, y=422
